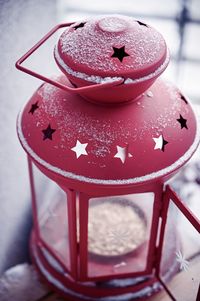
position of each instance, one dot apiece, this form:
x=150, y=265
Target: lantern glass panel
x=119, y=233
x=189, y=193
x=52, y=217
x=186, y=250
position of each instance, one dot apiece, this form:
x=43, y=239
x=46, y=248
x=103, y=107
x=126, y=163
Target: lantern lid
x=133, y=143
x=110, y=47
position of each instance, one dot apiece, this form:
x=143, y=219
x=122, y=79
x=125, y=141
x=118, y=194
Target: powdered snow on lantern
x=105, y=136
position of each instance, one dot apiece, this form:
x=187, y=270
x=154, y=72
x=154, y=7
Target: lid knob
x=113, y=24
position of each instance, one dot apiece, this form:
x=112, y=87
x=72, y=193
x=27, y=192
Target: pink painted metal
x=103, y=131
x=118, y=133
x=140, y=56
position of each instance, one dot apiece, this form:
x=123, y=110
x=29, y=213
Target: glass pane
x=187, y=184
x=52, y=214
x=180, y=263
x=118, y=234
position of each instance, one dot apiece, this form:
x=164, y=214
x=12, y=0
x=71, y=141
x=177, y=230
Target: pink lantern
x=103, y=138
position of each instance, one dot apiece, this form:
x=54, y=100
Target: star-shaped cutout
x=122, y=153
x=48, y=132
x=79, y=25
x=160, y=143
x=34, y=107
x=183, y=122
x=142, y=24
x=119, y=53
x=80, y=149
x=183, y=98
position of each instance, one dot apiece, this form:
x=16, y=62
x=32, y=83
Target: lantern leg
x=72, y=222
x=33, y=197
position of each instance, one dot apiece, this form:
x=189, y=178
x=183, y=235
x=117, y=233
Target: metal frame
x=79, y=258
x=150, y=260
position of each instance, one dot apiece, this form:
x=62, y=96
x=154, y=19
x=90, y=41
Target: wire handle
x=54, y=82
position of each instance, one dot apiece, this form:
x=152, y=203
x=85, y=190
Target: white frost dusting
x=99, y=80
x=135, y=180
x=98, y=133
x=91, y=78
x=47, y=90
x=92, y=47
x=113, y=24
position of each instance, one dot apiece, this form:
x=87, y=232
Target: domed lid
x=119, y=144
x=109, y=47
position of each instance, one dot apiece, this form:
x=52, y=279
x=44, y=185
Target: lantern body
x=100, y=205
x=102, y=244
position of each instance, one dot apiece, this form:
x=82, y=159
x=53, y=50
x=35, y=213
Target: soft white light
x=80, y=149
x=158, y=142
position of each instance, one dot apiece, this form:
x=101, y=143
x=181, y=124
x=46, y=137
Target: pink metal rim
x=126, y=81
x=146, y=178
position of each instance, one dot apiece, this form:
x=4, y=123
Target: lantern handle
x=54, y=82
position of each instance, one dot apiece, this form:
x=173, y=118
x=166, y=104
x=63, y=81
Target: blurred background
x=23, y=23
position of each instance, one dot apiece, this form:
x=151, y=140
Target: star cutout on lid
x=48, y=132
x=183, y=98
x=80, y=149
x=122, y=153
x=79, y=25
x=119, y=53
x=160, y=143
x=183, y=122
x=34, y=107
x=142, y=24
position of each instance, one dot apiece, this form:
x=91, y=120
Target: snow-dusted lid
x=111, y=46
x=86, y=143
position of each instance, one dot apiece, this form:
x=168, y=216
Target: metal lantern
x=102, y=139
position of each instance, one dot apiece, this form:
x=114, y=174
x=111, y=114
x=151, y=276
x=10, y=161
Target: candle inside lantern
x=115, y=227
x=118, y=233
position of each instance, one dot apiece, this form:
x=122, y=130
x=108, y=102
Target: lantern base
x=69, y=289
